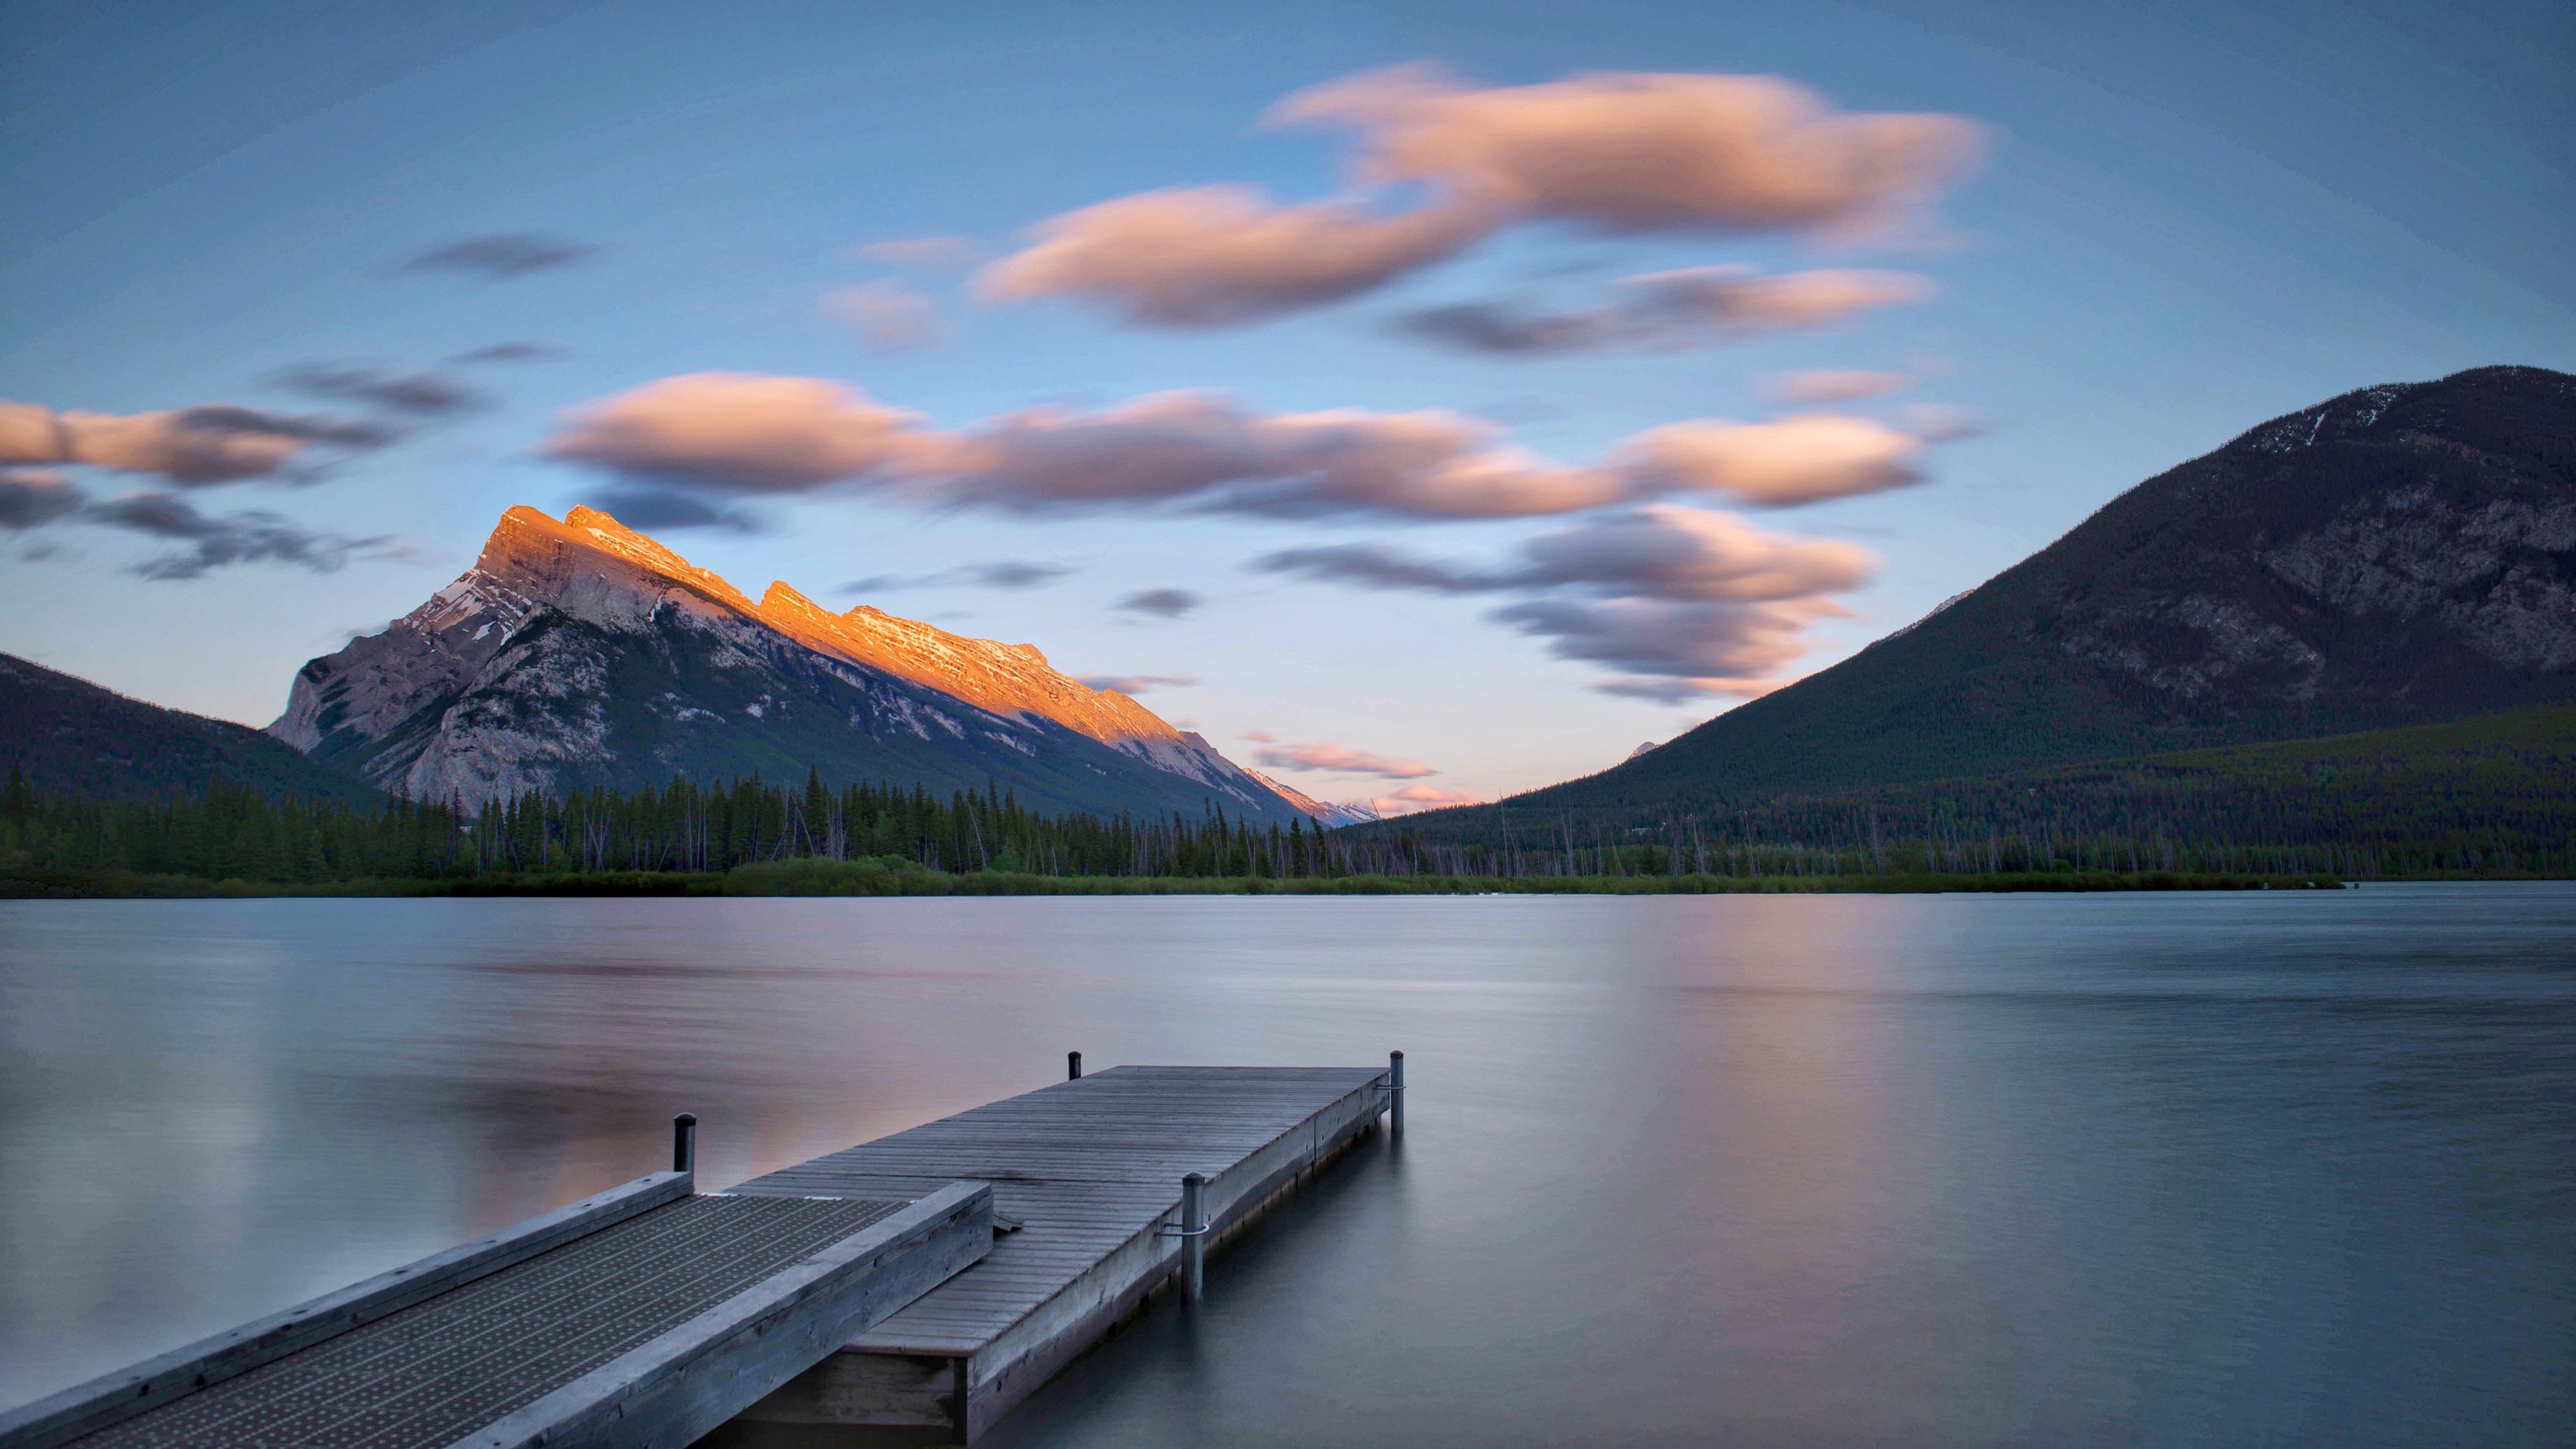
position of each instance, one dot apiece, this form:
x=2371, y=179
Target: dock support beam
x=1073, y=1066
x=1395, y=1093
x=1193, y=1238
x=684, y=1142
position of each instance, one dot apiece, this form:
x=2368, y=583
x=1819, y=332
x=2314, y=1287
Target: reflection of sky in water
x=1773, y=1170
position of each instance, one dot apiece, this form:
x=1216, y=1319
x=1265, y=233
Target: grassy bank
x=871, y=878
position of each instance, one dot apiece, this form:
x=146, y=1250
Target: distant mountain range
x=70, y=737
x=581, y=653
x=2396, y=556
x=1326, y=814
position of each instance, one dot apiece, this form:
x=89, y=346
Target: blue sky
x=2185, y=220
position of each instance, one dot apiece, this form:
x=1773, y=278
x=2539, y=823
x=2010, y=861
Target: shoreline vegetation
x=873, y=877
x=749, y=837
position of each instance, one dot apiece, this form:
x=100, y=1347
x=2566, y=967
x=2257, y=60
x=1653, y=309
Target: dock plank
x=1091, y=1168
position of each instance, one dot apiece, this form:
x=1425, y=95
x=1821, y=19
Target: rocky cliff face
x=581, y=653
x=2396, y=556
x=2397, y=551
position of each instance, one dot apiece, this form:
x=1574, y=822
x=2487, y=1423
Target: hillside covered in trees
x=2488, y=796
x=2396, y=556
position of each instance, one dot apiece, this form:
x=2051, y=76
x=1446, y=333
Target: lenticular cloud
x=1616, y=153
x=1198, y=451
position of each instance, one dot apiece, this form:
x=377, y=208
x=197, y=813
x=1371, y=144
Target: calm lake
x=2240, y=1168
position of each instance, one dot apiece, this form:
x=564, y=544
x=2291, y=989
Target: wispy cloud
x=1689, y=601
x=1654, y=551
x=1414, y=798
x=209, y=444
x=526, y=351
x=501, y=256
x=1341, y=760
x=925, y=253
x=1137, y=683
x=1215, y=256
x=1203, y=452
x=1940, y=423
x=1835, y=385
x=213, y=542
x=1790, y=461
x=886, y=316
x=1001, y=574
x=644, y=505
x=34, y=497
x=1160, y=603
x=421, y=394
x=1664, y=311
x=1618, y=153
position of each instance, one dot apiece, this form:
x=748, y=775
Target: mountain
x=1322, y=813
x=2396, y=556
x=71, y=737
x=581, y=653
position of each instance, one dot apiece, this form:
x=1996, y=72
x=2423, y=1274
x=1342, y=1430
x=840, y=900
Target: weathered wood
x=1091, y=1167
x=671, y=1391
x=113, y=1398
x=644, y=1317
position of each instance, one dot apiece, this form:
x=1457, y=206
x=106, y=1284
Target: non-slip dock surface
x=425, y=1376
x=1084, y=1166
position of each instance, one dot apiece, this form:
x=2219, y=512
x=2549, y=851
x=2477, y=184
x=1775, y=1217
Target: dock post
x=1073, y=1066
x=1395, y=1093
x=1193, y=1238
x=684, y=1142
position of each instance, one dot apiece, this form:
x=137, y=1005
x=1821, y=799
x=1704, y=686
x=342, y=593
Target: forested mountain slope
x=2397, y=555
x=71, y=737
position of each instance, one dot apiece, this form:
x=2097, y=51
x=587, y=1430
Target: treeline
x=2489, y=796
x=231, y=833
x=2504, y=808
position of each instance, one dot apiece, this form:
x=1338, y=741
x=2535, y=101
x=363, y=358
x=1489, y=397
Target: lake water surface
x=2266, y=1168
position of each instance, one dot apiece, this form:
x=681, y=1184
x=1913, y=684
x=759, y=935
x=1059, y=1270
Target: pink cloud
x=887, y=316
x=1691, y=555
x=1794, y=460
x=1341, y=759
x=1200, y=451
x=1658, y=551
x=213, y=443
x=1631, y=152
x=1210, y=256
x=1684, y=601
x=1719, y=647
x=739, y=430
x=1836, y=384
x=1416, y=797
x=1618, y=152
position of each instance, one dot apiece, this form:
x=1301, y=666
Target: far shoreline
x=817, y=878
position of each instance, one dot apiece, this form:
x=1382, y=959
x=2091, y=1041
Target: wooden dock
x=912, y=1289
x=1091, y=1172
x=644, y=1316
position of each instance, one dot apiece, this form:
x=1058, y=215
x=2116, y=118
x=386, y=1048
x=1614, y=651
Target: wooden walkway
x=1090, y=1170
x=645, y=1316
